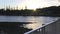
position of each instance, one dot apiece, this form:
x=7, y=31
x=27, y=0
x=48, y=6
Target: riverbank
x=12, y=28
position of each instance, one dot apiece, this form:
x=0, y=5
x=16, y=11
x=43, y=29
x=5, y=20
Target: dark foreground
x=12, y=28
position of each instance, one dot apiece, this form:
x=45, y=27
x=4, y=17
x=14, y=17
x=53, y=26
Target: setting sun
x=33, y=4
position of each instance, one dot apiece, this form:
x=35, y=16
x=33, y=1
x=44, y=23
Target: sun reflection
x=35, y=24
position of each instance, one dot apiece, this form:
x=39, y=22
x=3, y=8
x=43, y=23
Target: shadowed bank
x=13, y=28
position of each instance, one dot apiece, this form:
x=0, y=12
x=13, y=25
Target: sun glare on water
x=35, y=23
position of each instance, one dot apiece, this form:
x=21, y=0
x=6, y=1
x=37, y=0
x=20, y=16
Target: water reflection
x=32, y=26
x=37, y=21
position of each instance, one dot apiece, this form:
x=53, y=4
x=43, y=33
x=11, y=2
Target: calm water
x=36, y=21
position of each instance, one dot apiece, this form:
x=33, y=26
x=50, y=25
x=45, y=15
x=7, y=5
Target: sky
x=31, y=4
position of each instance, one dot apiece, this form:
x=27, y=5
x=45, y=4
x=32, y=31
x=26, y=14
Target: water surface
x=36, y=20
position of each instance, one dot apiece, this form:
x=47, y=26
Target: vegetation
x=48, y=11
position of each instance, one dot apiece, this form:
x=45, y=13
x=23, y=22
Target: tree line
x=47, y=11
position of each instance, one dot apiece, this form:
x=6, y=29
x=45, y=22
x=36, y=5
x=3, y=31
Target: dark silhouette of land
x=47, y=11
x=13, y=28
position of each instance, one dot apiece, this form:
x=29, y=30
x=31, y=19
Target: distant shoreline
x=53, y=11
x=35, y=15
